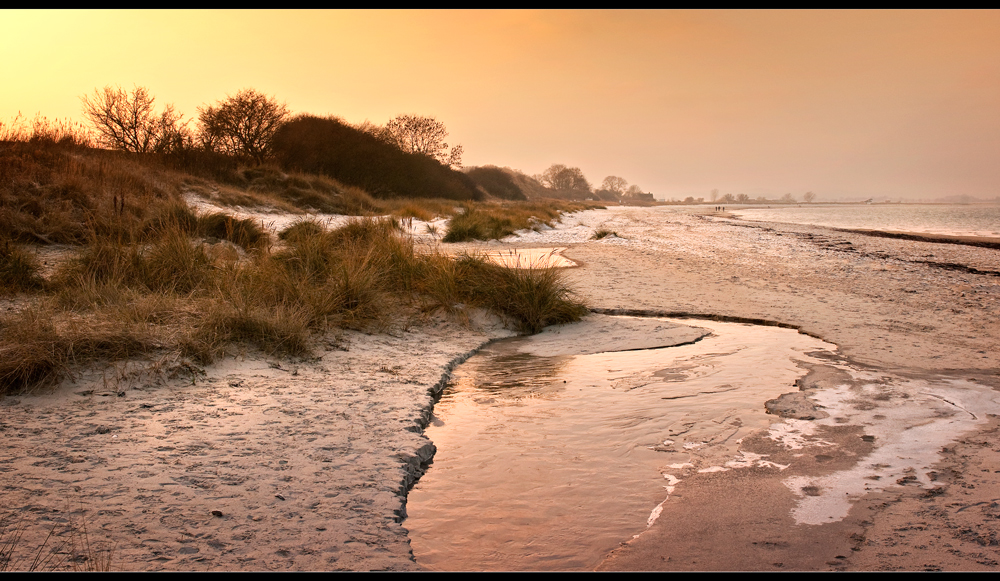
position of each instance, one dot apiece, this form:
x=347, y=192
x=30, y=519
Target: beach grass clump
x=493, y=221
x=37, y=346
x=172, y=263
x=347, y=272
x=529, y=298
x=31, y=351
x=114, y=262
x=425, y=209
x=19, y=269
x=601, y=233
x=302, y=230
x=442, y=287
x=246, y=232
x=476, y=223
x=305, y=191
x=276, y=331
x=167, y=216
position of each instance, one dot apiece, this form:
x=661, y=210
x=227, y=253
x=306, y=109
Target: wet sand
x=254, y=464
x=917, y=310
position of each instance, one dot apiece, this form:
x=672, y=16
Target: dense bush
x=496, y=182
x=353, y=157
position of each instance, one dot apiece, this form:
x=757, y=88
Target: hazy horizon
x=847, y=104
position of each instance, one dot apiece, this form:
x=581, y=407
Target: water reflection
x=511, y=376
x=549, y=462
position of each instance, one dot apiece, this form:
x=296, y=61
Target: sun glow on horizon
x=763, y=102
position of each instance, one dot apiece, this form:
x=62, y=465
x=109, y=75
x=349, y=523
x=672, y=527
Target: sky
x=846, y=104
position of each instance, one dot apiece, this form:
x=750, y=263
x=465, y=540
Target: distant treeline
x=405, y=158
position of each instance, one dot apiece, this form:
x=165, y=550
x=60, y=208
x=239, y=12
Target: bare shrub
x=243, y=124
x=128, y=120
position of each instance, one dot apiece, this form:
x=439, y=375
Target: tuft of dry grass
x=425, y=209
x=493, y=221
x=529, y=298
x=481, y=224
x=18, y=269
x=32, y=353
x=302, y=230
x=70, y=542
x=246, y=232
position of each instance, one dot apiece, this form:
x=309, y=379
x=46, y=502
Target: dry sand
x=255, y=464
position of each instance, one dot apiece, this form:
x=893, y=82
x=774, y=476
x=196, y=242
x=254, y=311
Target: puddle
x=552, y=451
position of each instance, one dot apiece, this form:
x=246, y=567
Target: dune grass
x=493, y=221
x=146, y=276
x=529, y=299
x=120, y=300
x=18, y=269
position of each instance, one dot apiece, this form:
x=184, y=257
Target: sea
x=981, y=220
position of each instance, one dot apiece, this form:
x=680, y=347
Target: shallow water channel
x=553, y=449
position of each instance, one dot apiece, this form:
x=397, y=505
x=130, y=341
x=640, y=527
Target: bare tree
x=128, y=120
x=614, y=184
x=423, y=135
x=560, y=177
x=633, y=191
x=242, y=124
x=548, y=177
x=809, y=196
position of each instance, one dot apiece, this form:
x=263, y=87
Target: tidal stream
x=553, y=449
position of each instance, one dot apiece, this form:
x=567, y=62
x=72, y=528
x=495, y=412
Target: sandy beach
x=261, y=464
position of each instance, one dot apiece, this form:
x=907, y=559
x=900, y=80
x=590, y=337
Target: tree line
x=570, y=182
x=408, y=156
x=243, y=124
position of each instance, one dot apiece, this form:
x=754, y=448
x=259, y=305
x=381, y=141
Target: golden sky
x=846, y=104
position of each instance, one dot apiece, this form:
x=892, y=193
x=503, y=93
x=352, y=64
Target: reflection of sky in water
x=508, y=378
x=547, y=463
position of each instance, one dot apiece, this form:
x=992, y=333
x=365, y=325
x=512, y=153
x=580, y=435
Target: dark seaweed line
x=899, y=235
x=702, y=316
x=937, y=239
